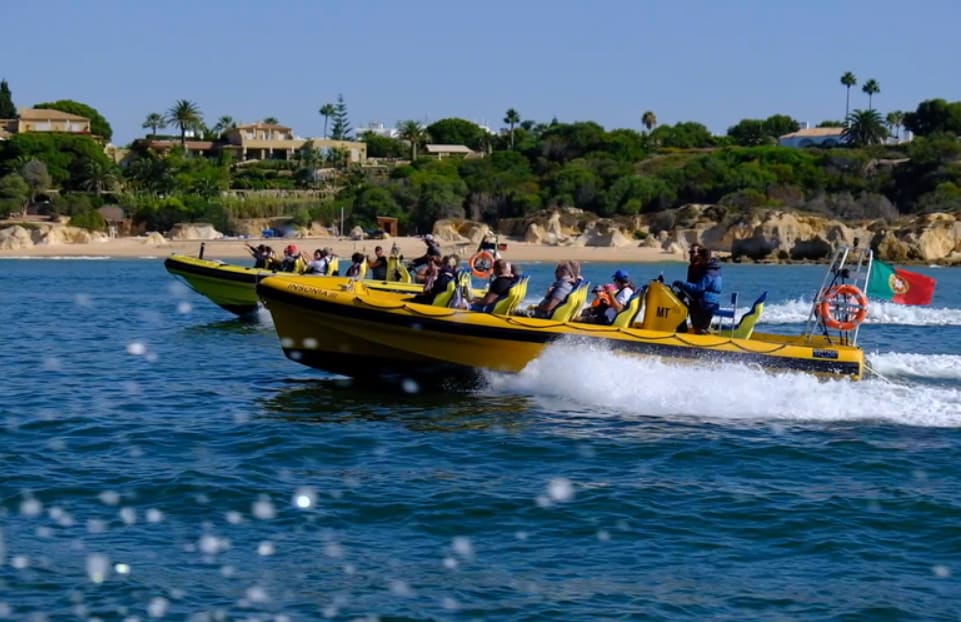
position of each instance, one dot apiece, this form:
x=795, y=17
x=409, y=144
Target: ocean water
x=162, y=460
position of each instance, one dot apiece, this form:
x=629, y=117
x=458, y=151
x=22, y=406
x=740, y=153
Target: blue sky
x=713, y=61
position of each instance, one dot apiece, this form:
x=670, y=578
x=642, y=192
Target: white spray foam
x=934, y=366
x=797, y=311
x=637, y=386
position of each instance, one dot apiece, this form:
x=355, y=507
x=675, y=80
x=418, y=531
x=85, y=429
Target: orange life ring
x=482, y=264
x=837, y=297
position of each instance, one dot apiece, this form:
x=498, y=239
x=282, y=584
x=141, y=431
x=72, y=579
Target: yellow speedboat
x=357, y=331
x=234, y=287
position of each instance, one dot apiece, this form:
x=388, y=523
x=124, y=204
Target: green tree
x=98, y=124
x=454, y=131
x=35, y=173
x=749, y=133
x=185, y=115
x=778, y=125
x=7, y=109
x=895, y=119
x=830, y=123
x=374, y=201
x=934, y=116
x=649, y=120
x=512, y=118
x=271, y=121
x=63, y=153
x=865, y=127
x=383, y=146
x=437, y=196
x=684, y=135
x=14, y=192
x=98, y=176
x=871, y=88
x=341, y=129
x=224, y=123
x=154, y=121
x=327, y=111
x=415, y=135
x=848, y=80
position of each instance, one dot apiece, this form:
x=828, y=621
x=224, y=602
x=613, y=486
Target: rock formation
x=194, y=231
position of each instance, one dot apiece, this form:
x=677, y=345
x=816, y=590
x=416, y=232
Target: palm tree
x=271, y=121
x=186, y=115
x=154, y=121
x=848, y=80
x=223, y=124
x=865, y=127
x=895, y=119
x=648, y=120
x=512, y=118
x=871, y=87
x=97, y=177
x=327, y=111
x=413, y=132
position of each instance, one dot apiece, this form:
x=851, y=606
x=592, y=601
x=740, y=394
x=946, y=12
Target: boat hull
x=355, y=331
x=234, y=287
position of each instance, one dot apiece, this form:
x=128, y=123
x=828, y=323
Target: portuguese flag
x=901, y=286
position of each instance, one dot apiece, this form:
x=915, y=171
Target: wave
x=902, y=365
x=596, y=378
x=796, y=312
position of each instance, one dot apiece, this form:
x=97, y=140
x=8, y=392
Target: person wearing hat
x=596, y=312
x=293, y=261
x=625, y=289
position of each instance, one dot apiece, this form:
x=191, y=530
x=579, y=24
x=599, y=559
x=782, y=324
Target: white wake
x=595, y=378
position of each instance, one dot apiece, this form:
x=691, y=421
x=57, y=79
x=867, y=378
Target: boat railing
x=840, y=303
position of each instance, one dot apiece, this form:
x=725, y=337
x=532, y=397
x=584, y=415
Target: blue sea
x=162, y=460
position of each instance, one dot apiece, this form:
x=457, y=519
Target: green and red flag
x=901, y=286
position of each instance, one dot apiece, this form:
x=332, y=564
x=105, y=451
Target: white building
x=378, y=129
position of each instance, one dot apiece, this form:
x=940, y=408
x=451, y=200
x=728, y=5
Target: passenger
x=625, y=289
x=499, y=286
x=696, y=267
x=378, y=264
x=293, y=261
x=321, y=263
x=270, y=259
x=705, y=294
x=260, y=255
x=596, y=312
x=356, y=263
x=556, y=294
x=433, y=250
x=442, y=273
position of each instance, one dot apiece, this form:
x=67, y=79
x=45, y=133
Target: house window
x=42, y=127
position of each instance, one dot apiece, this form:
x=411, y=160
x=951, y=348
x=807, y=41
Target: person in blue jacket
x=704, y=294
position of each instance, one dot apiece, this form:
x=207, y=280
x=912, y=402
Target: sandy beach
x=236, y=250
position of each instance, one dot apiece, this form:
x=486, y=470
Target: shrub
x=88, y=219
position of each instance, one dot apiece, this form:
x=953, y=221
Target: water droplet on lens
x=263, y=508
x=305, y=498
x=560, y=489
x=98, y=567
